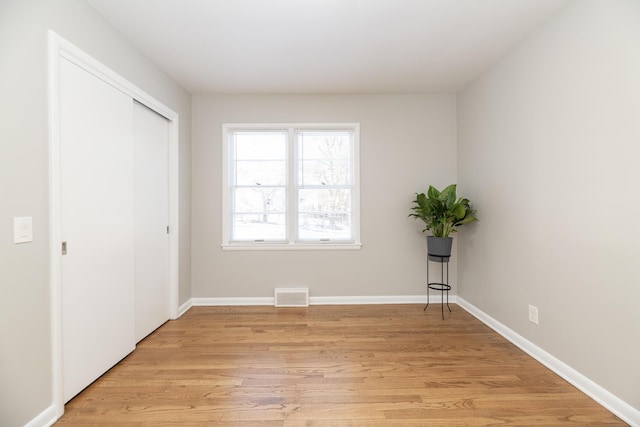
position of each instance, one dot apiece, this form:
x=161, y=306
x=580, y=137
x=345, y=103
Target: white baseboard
x=45, y=419
x=382, y=299
x=619, y=407
x=232, y=301
x=184, y=308
x=435, y=298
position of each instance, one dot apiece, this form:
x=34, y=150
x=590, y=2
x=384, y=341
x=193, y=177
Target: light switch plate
x=22, y=229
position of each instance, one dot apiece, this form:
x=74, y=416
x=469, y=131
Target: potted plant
x=441, y=211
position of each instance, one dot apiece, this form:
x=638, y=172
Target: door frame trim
x=59, y=48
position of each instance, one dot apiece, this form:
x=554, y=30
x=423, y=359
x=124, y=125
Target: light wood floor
x=370, y=365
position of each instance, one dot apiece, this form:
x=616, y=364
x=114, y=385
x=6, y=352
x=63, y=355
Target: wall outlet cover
x=533, y=314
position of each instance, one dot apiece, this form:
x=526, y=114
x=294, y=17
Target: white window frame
x=291, y=243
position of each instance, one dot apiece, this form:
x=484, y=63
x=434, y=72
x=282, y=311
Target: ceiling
x=325, y=46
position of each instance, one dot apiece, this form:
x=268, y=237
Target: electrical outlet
x=533, y=314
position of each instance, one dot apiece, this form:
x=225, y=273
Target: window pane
x=324, y=172
x=259, y=226
x=260, y=145
x=319, y=226
x=261, y=172
x=324, y=158
x=325, y=145
x=324, y=200
x=259, y=199
x=324, y=214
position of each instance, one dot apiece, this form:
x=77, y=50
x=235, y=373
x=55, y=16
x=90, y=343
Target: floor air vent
x=291, y=297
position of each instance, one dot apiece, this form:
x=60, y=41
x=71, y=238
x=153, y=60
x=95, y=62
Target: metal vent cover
x=291, y=297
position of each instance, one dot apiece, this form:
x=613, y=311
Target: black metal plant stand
x=442, y=286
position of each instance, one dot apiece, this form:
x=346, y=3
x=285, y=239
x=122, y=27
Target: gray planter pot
x=439, y=248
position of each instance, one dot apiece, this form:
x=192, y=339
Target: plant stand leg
x=442, y=286
x=425, y=307
x=445, y=287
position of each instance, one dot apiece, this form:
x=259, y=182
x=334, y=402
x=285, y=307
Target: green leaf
x=433, y=193
x=467, y=219
x=448, y=195
x=460, y=211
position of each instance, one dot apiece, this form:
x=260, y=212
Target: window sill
x=291, y=247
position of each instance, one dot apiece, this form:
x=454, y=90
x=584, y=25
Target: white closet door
x=97, y=222
x=151, y=177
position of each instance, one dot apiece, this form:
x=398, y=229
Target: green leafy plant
x=442, y=211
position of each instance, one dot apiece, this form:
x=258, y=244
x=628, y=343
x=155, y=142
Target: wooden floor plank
x=382, y=365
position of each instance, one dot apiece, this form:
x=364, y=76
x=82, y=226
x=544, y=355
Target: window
x=291, y=186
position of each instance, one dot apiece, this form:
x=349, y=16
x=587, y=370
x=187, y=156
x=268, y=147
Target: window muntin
x=292, y=185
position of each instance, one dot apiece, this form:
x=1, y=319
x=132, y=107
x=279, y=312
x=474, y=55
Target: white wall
x=25, y=332
x=549, y=142
x=407, y=143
